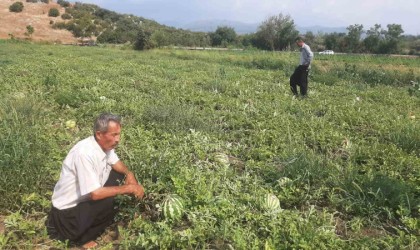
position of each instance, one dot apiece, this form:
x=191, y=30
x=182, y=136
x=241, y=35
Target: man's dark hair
x=299, y=38
x=102, y=122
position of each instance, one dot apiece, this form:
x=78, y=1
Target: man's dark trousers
x=299, y=78
x=86, y=221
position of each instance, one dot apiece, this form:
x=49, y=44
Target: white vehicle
x=326, y=52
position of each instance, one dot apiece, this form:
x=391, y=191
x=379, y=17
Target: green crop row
x=344, y=162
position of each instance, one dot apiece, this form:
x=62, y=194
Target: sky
x=305, y=13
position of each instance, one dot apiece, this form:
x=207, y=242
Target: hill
x=89, y=21
x=36, y=15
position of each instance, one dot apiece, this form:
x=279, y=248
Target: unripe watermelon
x=271, y=203
x=173, y=208
x=222, y=159
x=284, y=181
x=70, y=124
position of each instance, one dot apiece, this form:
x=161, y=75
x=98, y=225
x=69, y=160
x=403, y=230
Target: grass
x=349, y=152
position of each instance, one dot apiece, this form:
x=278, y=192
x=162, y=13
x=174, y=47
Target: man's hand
x=130, y=178
x=131, y=185
x=137, y=190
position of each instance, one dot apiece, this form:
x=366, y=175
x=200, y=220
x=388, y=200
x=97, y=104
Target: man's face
x=299, y=43
x=109, y=139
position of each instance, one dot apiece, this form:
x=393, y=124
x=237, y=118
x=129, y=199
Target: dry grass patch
x=36, y=15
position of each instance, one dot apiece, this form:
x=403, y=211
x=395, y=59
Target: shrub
x=16, y=7
x=63, y=3
x=59, y=25
x=45, y=1
x=31, y=1
x=53, y=12
x=29, y=30
x=66, y=16
x=142, y=40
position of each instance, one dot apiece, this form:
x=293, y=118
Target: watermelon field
x=247, y=165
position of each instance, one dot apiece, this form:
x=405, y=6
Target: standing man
x=82, y=201
x=300, y=76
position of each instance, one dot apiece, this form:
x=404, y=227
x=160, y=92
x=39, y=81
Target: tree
x=82, y=27
x=159, y=38
x=63, y=3
x=374, y=37
x=142, y=40
x=411, y=44
x=247, y=40
x=53, y=12
x=393, y=37
x=315, y=41
x=353, y=38
x=66, y=16
x=223, y=35
x=335, y=41
x=29, y=31
x=276, y=33
x=16, y=7
x=309, y=38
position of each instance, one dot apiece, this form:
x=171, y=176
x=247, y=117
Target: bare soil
x=2, y=227
x=36, y=15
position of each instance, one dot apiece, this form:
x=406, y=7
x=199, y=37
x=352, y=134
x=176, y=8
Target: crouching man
x=91, y=176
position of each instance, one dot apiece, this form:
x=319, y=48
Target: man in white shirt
x=90, y=179
x=300, y=76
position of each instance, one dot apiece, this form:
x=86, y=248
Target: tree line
x=279, y=32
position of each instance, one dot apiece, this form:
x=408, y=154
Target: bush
x=45, y=1
x=66, y=16
x=16, y=7
x=31, y=1
x=60, y=25
x=53, y=12
x=142, y=40
x=29, y=30
x=63, y=3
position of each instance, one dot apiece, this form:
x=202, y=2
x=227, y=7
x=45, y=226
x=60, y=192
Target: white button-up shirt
x=85, y=169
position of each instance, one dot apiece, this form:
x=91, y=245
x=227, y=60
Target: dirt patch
x=2, y=226
x=373, y=232
x=340, y=227
x=36, y=15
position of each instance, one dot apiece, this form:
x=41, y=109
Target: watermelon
x=222, y=159
x=284, y=181
x=271, y=203
x=172, y=207
x=70, y=124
